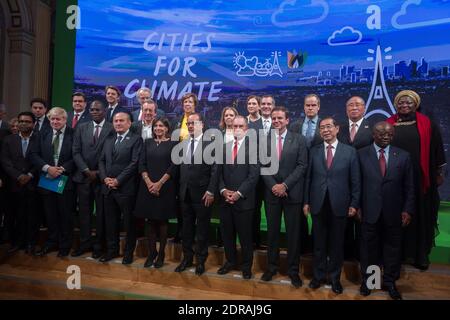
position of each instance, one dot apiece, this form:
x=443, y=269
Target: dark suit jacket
x=197, y=178
x=5, y=125
x=135, y=114
x=392, y=194
x=15, y=164
x=297, y=128
x=42, y=154
x=342, y=180
x=292, y=169
x=239, y=177
x=85, y=117
x=86, y=154
x=136, y=127
x=116, y=110
x=3, y=133
x=46, y=127
x=363, y=137
x=123, y=165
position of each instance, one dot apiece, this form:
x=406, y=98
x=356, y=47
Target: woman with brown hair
x=226, y=123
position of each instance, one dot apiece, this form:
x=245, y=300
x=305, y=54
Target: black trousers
x=238, y=222
x=117, y=204
x=329, y=234
x=23, y=224
x=196, y=221
x=88, y=195
x=59, y=216
x=292, y=213
x=386, y=237
x=352, y=239
x=256, y=222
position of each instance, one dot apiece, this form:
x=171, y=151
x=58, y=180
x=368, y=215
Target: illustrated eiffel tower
x=379, y=105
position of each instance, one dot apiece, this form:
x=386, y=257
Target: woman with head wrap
x=417, y=134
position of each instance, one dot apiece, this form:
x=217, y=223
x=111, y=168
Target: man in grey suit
x=79, y=114
x=332, y=192
x=284, y=192
x=237, y=182
x=118, y=173
x=309, y=127
x=87, y=147
x=387, y=205
x=144, y=95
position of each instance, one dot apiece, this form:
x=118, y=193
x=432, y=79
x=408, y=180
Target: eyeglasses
x=327, y=127
x=192, y=123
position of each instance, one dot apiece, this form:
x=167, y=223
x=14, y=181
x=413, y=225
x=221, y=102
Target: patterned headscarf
x=408, y=93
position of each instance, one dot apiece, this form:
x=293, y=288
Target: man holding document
x=52, y=156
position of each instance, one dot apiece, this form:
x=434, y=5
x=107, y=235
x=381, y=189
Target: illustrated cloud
x=353, y=37
x=403, y=12
x=314, y=3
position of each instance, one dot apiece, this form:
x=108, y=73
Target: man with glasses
x=87, y=146
x=23, y=224
x=144, y=95
x=332, y=192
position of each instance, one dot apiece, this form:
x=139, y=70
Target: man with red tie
x=387, y=205
x=79, y=114
x=332, y=192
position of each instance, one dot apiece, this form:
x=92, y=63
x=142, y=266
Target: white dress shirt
x=333, y=150
x=358, y=124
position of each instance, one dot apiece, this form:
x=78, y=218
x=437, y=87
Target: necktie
x=117, y=144
x=24, y=146
x=280, y=146
x=37, y=125
x=110, y=112
x=266, y=126
x=309, y=132
x=96, y=133
x=235, y=151
x=56, y=146
x=75, y=120
x=353, y=131
x=192, y=150
x=329, y=155
x=382, y=161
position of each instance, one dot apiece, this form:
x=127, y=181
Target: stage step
x=117, y=281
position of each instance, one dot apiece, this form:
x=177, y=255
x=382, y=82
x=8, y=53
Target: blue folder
x=55, y=185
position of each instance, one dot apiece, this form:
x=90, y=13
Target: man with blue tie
x=332, y=192
x=309, y=127
x=387, y=205
x=23, y=224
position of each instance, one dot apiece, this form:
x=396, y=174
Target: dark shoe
x=96, y=254
x=421, y=267
x=160, y=260
x=246, y=274
x=336, y=287
x=267, y=276
x=127, y=258
x=44, y=251
x=78, y=252
x=227, y=267
x=393, y=292
x=200, y=269
x=108, y=257
x=295, y=280
x=177, y=239
x=30, y=250
x=149, y=262
x=13, y=249
x=314, y=283
x=183, y=265
x=363, y=290
x=63, y=253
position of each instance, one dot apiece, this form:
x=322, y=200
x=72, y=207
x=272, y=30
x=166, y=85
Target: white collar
x=101, y=124
x=123, y=134
x=113, y=107
x=358, y=123
x=283, y=135
x=334, y=144
x=62, y=130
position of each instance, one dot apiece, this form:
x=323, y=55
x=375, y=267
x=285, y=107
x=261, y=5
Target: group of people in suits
x=357, y=185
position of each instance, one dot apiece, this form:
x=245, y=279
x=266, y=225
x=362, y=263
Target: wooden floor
x=26, y=277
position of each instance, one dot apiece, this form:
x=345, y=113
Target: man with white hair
x=52, y=156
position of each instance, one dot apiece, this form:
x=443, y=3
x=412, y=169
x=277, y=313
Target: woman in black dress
x=157, y=193
x=417, y=134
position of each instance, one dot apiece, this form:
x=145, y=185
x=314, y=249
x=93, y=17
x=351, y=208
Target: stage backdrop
x=225, y=50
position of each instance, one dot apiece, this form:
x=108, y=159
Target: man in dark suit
x=143, y=128
x=355, y=132
x=284, y=193
x=79, y=114
x=387, y=205
x=118, y=173
x=198, y=185
x=87, y=147
x=238, y=177
x=52, y=156
x=112, y=94
x=5, y=208
x=23, y=224
x=39, y=109
x=144, y=95
x=309, y=126
x=332, y=192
